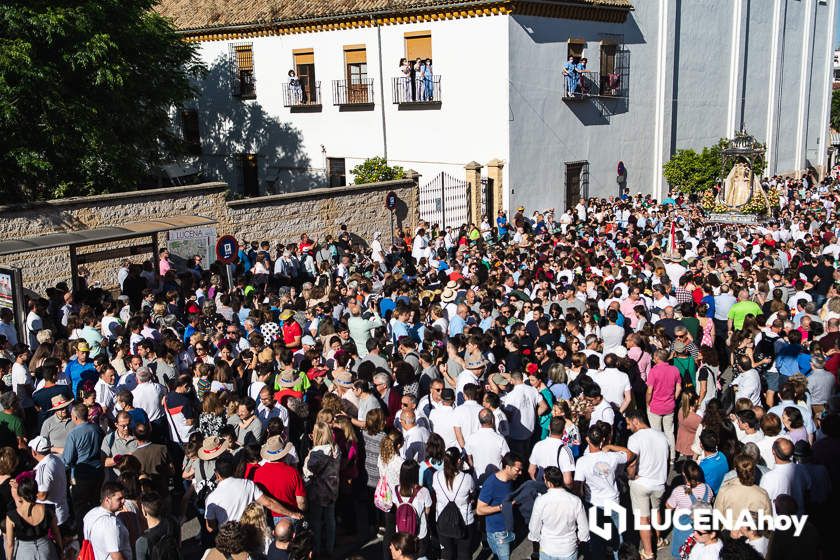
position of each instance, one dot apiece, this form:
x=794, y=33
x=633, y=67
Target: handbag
x=382, y=498
x=86, y=552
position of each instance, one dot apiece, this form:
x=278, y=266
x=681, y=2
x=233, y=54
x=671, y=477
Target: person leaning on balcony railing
x=405, y=70
x=295, y=89
x=581, y=70
x=428, y=81
x=571, y=74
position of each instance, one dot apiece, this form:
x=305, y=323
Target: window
x=305, y=68
x=577, y=182
x=355, y=67
x=418, y=44
x=575, y=49
x=243, y=84
x=609, y=75
x=336, y=172
x=250, y=179
x=190, y=132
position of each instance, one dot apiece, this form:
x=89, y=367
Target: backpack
x=450, y=523
x=165, y=548
x=207, y=486
x=407, y=519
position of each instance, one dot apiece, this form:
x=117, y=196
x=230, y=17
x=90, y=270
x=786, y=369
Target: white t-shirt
x=420, y=502
x=22, y=385
x=706, y=551
x=51, y=478
x=443, y=421
x=749, y=386
x=604, y=412
x=148, y=397
x=106, y=534
x=548, y=453
x=462, y=487
x=230, y=498
x=521, y=405
x=597, y=470
x=651, y=446
x=104, y=394
x=466, y=418
x=613, y=384
x=486, y=447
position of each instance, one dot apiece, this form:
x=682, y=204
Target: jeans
x=500, y=543
x=544, y=556
x=322, y=519
x=664, y=424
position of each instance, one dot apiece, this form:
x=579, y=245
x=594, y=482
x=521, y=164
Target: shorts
x=643, y=499
x=771, y=378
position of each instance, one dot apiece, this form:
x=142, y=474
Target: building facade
x=662, y=75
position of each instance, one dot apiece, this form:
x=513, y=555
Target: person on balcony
x=581, y=70
x=571, y=74
x=428, y=81
x=421, y=79
x=295, y=89
x=405, y=69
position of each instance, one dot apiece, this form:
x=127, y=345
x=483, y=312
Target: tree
x=86, y=93
x=835, y=109
x=376, y=169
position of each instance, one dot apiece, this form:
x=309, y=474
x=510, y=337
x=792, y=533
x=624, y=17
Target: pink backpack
x=407, y=519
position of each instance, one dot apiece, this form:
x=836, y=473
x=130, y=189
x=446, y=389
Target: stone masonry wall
x=278, y=218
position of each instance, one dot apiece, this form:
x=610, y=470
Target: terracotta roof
x=215, y=14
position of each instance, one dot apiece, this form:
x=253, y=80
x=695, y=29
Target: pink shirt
x=662, y=381
x=164, y=266
x=642, y=359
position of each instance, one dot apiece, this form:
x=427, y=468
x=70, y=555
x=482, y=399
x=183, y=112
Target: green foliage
x=835, y=109
x=690, y=172
x=86, y=90
x=376, y=169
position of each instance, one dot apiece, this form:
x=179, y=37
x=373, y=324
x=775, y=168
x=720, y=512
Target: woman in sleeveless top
x=29, y=524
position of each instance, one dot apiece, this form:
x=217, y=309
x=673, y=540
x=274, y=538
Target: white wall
x=471, y=123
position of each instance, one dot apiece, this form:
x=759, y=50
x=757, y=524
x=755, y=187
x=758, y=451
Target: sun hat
x=679, y=347
x=40, y=444
x=266, y=356
x=450, y=292
x=499, y=380
x=286, y=315
x=287, y=379
x=344, y=378
x=212, y=447
x=477, y=363
x=307, y=340
x=274, y=450
x=59, y=401
x=316, y=372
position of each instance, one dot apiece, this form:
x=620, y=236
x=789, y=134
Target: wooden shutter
x=355, y=54
x=418, y=44
x=304, y=56
x=244, y=57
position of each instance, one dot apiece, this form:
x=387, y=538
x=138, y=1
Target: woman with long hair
x=435, y=449
x=409, y=491
x=321, y=475
x=688, y=422
x=452, y=484
x=29, y=525
x=389, y=465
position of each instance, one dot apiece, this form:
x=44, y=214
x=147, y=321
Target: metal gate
x=445, y=200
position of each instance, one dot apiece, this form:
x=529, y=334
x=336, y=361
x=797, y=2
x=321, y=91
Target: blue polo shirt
x=82, y=450
x=78, y=373
x=493, y=493
x=714, y=468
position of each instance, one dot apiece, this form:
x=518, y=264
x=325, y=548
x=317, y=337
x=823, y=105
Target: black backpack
x=450, y=523
x=208, y=486
x=165, y=547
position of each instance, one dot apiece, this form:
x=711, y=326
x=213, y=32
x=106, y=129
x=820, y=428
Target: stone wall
x=277, y=218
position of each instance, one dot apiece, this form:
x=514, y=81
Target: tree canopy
x=689, y=171
x=376, y=169
x=86, y=92
x=835, y=109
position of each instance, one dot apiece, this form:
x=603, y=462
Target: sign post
x=391, y=205
x=226, y=253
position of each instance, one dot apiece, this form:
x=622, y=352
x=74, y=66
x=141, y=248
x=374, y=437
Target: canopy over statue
x=741, y=194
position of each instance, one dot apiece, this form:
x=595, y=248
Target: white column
x=659, y=117
x=805, y=67
x=829, y=78
x=734, y=64
x=772, y=87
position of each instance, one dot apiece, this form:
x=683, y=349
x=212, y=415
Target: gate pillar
x=494, y=173
x=473, y=173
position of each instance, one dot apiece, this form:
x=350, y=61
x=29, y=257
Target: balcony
x=592, y=84
x=418, y=94
x=353, y=93
x=302, y=96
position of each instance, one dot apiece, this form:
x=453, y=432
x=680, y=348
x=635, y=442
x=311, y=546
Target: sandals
x=644, y=556
x=663, y=542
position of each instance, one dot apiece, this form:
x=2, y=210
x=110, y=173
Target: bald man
x=283, y=533
x=786, y=477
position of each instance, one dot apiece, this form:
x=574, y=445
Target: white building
x=666, y=75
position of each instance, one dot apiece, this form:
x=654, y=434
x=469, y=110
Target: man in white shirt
x=466, y=415
x=651, y=469
x=442, y=419
x=558, y=520
x=51, y=478
x=148, y=395
x=551, y=452
x=414, y=437
x=748, y=427
x=105, y=389
x=601, y=409
x=747, y=383
x=107, y=534
x=232, y=495
x=520, y=404
x=485, y=447
x=615, y=385
x=786, y=477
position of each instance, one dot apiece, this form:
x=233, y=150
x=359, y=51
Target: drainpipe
x=381, y=88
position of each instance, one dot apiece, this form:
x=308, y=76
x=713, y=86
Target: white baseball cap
x=40, y=444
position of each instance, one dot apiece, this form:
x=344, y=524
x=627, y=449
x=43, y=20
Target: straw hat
x=274, y=450
x=212, y=447
x=59, y=401
x=344, y=378
x=287, y=379
x=450, y=292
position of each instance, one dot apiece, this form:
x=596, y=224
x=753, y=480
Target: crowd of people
x=463, y=388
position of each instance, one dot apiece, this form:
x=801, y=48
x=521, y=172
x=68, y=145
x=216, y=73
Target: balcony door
x=355, y=64
x=577, y=182
x=305, y=68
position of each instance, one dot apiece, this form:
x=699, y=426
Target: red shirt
x=281, y=481
x=291, y=329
